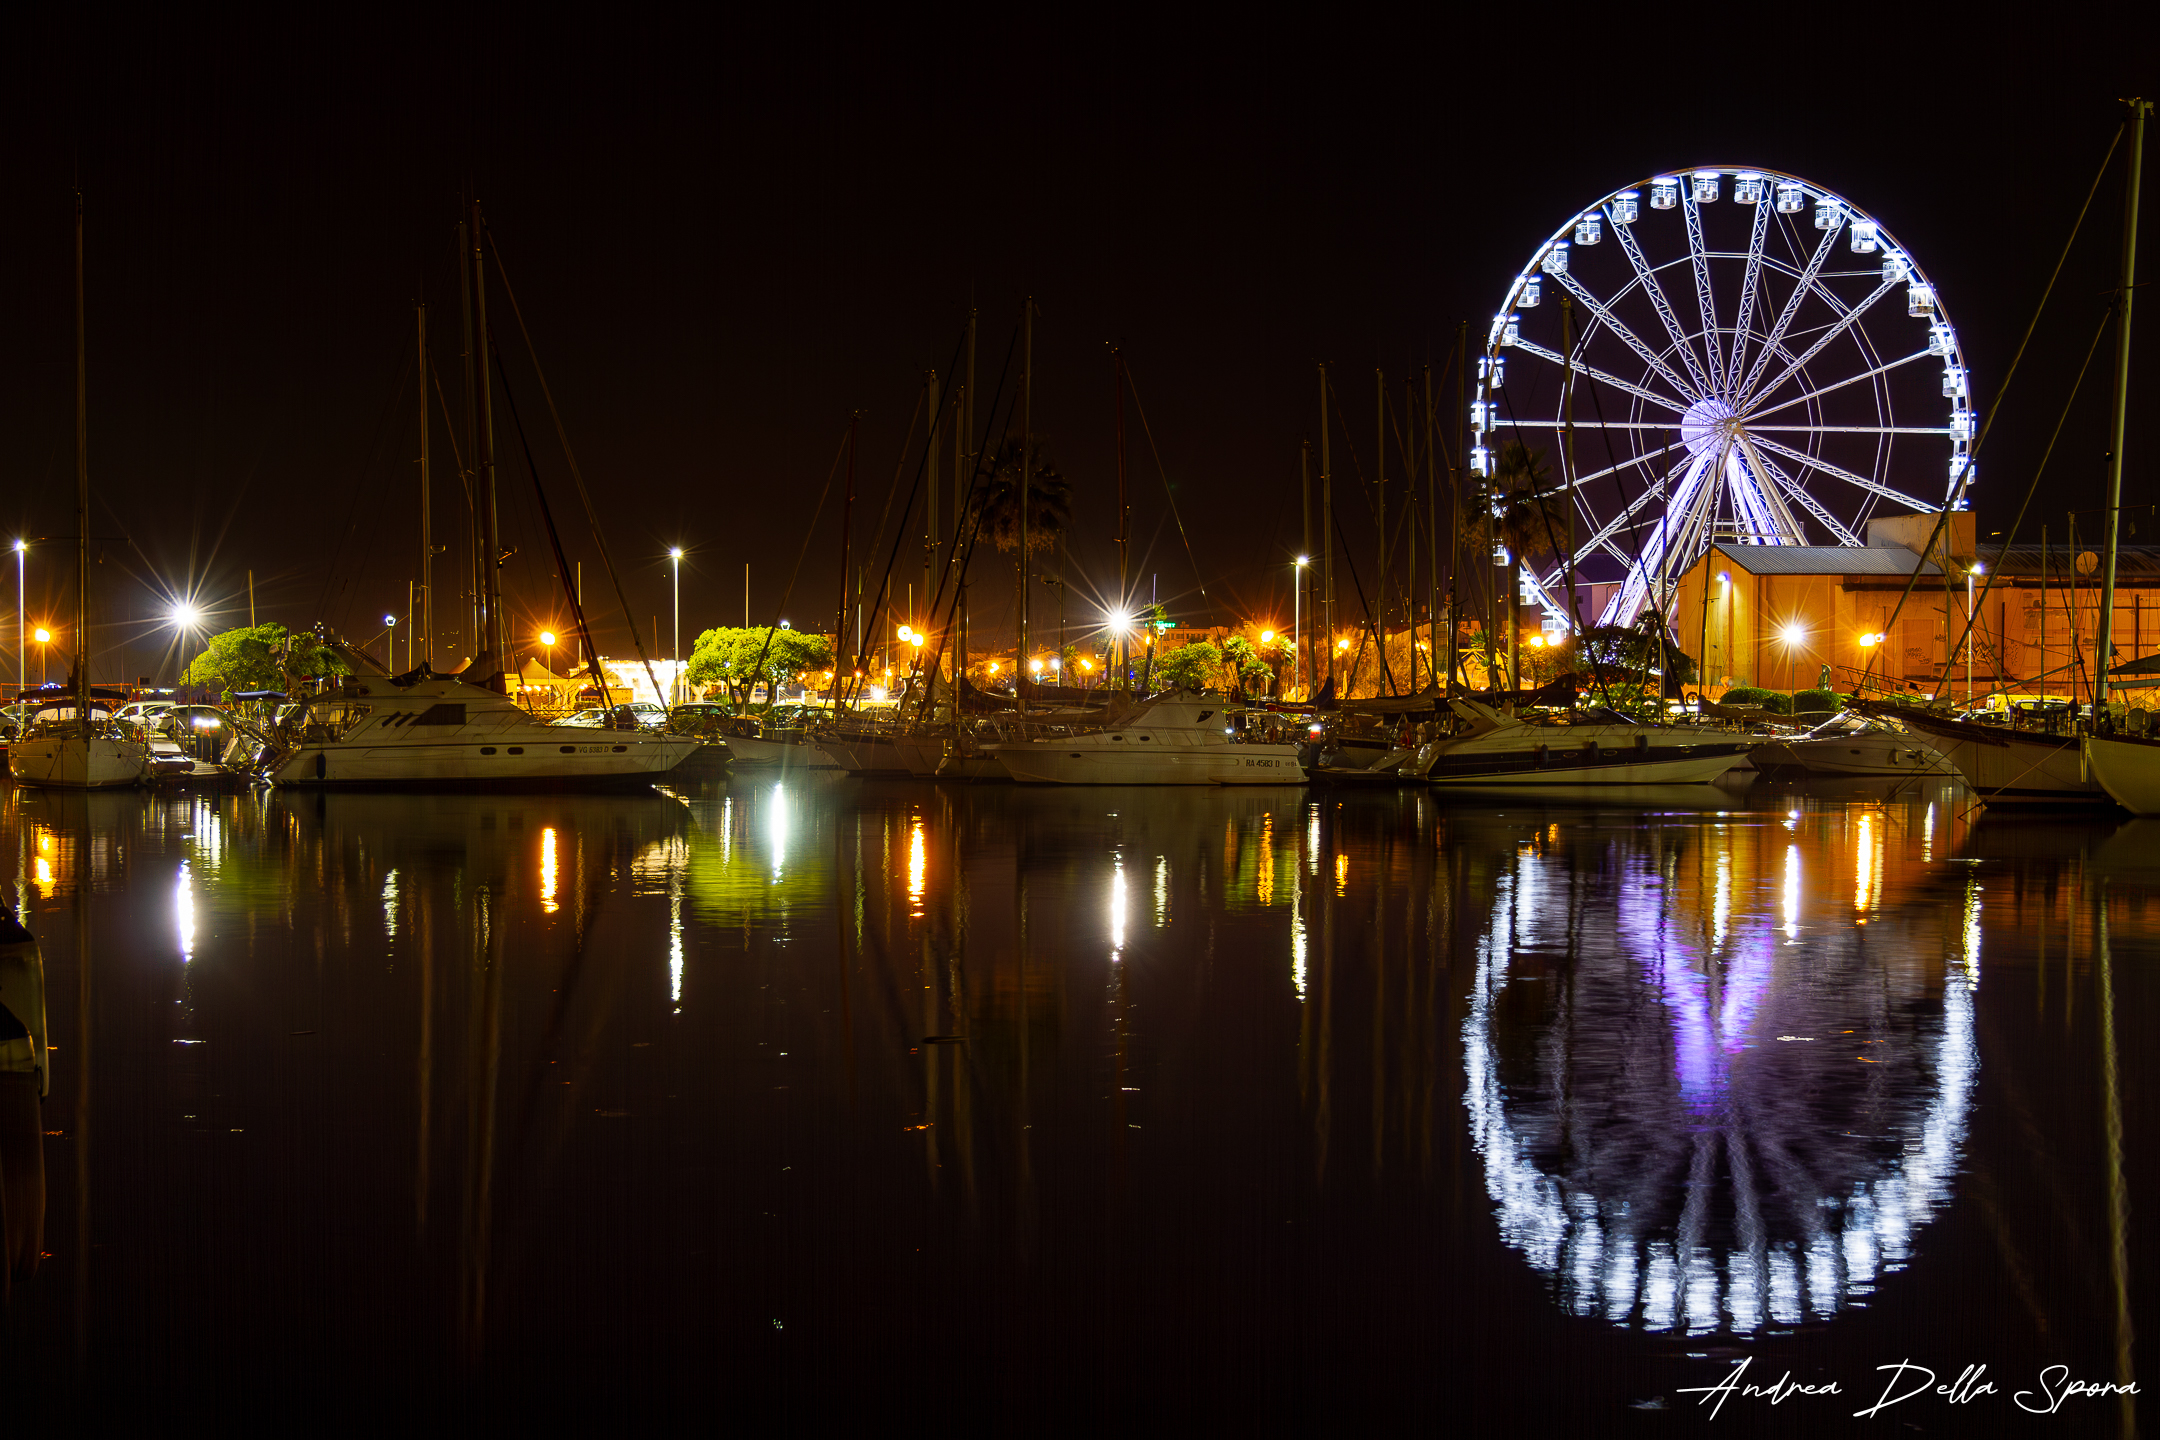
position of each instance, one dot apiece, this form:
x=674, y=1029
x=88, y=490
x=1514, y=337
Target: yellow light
x=907, y=632
x=1087, y=664
x=42, y=635
x=1267, y=637
x=1792, y=634
x=917, y=640
x=1869, y=642
x=1537, y=642
x=547, y=638
x=1342, y=644
x=993, y=667
x=1036, y=666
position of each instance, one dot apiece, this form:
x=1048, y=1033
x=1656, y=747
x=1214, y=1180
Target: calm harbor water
x=1010, y=1110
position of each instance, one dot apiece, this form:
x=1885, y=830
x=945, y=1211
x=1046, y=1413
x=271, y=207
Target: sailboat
x=75, y=745
x=424, y=731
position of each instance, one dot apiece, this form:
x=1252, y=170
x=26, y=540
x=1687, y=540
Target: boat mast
x=1379, y=611
x=82, y=489
x=427, y=537
x=1121, y=643
x=847, y=519
x=1301, y=674
x=1327, y=534
x=491, y=626
x=2104, y=642
x=472, y=444
x=1027, y=465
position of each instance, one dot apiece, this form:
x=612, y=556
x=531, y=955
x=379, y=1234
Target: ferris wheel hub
x=1707, y=425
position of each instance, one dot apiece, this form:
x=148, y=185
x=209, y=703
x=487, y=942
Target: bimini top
x=1826, y=559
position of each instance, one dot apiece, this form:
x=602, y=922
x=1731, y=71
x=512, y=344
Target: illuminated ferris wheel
x=1767, y=371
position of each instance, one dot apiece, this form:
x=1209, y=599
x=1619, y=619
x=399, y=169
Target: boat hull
x=760, y=753
x=2014, y=767
x=603, y=765
x=1855, y=755
x=76, y=762
x=2129, y=770
x=1573, y=771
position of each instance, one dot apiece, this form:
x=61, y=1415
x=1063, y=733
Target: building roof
x=1826, y=560
x=2139, y=563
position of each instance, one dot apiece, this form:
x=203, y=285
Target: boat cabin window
x=443, y=714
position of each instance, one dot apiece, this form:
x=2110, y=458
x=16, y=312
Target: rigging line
x=809, y=533
x=547, y=518
x=1987, y=428
x=922, y=394
x=1597, y=406
x=973, y=508
x=2030, y=490
x=1165, y=473
x=1344, y=545
x=562, y=436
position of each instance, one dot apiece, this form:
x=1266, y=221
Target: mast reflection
x=1713, y=1102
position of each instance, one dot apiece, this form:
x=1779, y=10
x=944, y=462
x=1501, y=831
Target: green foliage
x=1815, y=702
x=1777, y=702
x=261, y=657
x=729, y=656
x=1194, y=666
x=1616, y=652
x=1241, y=657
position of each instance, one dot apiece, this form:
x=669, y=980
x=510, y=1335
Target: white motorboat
x=1850, y=743
x=440, y=733
x=1492, y=749
x=1178, y=739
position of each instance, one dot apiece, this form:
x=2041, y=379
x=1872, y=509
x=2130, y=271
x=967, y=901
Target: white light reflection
x=390, y=903
x=918, y=863
x=675, y=947
x=1162, y=891
x=777, y=829
x=547, y=871
x=1117, y=911
x=184, y=913
x=1297, y=938
x=1626, y=1227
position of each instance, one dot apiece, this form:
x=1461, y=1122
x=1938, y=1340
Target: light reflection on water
x=1690, y=1093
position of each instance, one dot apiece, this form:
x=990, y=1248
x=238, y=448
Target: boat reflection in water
x=1729, y=1096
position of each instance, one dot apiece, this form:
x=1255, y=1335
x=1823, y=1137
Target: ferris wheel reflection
x=1707, y=1107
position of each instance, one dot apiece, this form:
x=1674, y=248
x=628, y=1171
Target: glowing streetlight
x=22, y=620
x=675, y=680
x=1267, y=637
x=547, y=638
x=43, y=638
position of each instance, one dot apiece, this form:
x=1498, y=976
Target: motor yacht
x=1601, y=747
x=1850, y=743
x=1180, y=739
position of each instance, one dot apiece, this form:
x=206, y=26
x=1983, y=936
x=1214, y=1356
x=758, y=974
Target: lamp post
x=185, y=619
x=675, y=678
x=547, y=640
x=389, y=643
x=1974, y=569
x=1297, y=621
x=43, y=638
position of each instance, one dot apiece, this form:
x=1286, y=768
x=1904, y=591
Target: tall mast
x=1027, y=466
x=491, y=622
x=1432, y=515
x=1327, y=534
x=930, y=520
x=1121, y=643
x=1379, y=597
x=964, y=457
x=473, y=581
x=427, y=536
x=2104, y=643
x=1303, y=673
x=1567, y=452
x=847, y=521
x=82, y=488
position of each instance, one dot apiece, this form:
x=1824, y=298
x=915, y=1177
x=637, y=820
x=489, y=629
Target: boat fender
x=322, y=765
x=1539, y=756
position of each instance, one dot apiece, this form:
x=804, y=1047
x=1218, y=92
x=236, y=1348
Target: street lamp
x=675, y=680
x=1975, y=569
x=43, y=638
x=547, y=638
x=1297, y=621
x=22, y=620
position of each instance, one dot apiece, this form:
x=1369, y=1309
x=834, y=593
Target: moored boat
x=1496, y=750
x=1179, y=739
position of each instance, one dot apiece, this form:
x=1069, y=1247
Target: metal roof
x=1826, y=560
x=2138, y=563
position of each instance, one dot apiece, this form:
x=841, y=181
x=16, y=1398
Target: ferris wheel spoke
x=1593, y=373
x=1844, y=429
x=1793, y=488
x=1635, y=507
x=1633, y=341
x=1590, y=425
x=1801, y=289
x=1839, y=472
x=1850, y=318
x=1699, y=257
x=1691, y=501
x=1655, y=293
x=1752, y=416
x=1765, y=499
x=1756, y=239
x=1767, y=521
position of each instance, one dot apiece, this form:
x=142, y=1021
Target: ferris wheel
x=1764, y=371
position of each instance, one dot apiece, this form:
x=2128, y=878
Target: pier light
x=1480, y=460
x=1791, y=199
x=1706, y=182
x=1864, y=237
x=1589, y=230
x=1827, y=213
x=547, y=638
x=675, y=554
x=1304, y=559
x=1962, y=424
x=1624, y=206
x=1531, y=291
x=1954, y=382
x=1664, y=193
x=1724, y=579
x=1747, y=188
x=1978, y=568
x=389, y=622
x=187, y=617
x=1555, y=262
x=1792, y=633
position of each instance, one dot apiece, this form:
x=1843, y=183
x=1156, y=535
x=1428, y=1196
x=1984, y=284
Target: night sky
x=730, y=234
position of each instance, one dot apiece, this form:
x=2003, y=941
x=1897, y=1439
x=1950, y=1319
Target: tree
x=1196, y=665
x=1241, y=659
x=730, y=656
x=261, y=657
x=997, y=503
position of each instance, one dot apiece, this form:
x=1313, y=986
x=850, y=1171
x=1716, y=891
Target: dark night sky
x=728, y=237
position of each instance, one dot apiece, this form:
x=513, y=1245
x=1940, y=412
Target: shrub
x=1815, y=702
x=1777, y=702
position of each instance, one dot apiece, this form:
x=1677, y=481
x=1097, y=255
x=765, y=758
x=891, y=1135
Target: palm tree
x=997, y=502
